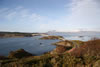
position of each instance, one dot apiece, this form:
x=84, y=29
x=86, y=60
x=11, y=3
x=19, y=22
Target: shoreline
x=20, y=34
x=76, y=56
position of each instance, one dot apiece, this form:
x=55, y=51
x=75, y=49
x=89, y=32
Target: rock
x=52, y=37
x=19, y=54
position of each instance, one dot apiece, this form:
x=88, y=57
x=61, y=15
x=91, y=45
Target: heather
x=85, y=55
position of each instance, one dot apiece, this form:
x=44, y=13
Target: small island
x=52, y=38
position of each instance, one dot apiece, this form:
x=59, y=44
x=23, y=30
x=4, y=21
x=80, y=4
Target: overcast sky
x=47, y=15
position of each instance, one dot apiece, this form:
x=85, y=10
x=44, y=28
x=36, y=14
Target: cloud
x=10, y=16
x=3, y=9
x=84, y=14
x=20, y=14
x=26, y=19
x=50, y=24
x=81, y=15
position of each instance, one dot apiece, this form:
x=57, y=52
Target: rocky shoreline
x=68, y=53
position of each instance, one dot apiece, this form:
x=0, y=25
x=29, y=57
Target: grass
x=87, y=55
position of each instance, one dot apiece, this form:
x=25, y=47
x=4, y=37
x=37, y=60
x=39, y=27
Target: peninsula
x=20, y=34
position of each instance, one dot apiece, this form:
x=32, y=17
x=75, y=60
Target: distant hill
x=17, y=34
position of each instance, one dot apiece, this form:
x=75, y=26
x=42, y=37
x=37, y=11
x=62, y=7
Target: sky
x=48, y=15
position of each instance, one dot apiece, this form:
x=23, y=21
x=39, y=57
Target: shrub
x=91, y=47
x=19, y=54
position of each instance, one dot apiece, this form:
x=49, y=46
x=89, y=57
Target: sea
x=37, y=46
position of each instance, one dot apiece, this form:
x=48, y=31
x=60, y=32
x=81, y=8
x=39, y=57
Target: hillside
x=86, y=55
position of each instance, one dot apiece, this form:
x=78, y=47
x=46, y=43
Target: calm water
x=30, y=44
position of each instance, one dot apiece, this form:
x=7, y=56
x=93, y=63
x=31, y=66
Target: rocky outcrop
x=52, y=37
x=19, y=54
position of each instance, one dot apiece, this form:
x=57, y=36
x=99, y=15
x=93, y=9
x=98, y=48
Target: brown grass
x=19, y=54
x=91, y=47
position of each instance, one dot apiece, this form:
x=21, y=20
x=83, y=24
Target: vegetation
x=19, y=54
x=51, y=37
x=78, y=42
x=86, y=55
x=18, y=34
x=48, y=60
x=64, y=43
x=91, y=47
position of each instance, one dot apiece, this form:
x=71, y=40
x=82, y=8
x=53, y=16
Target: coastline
x=69, y=51
x=20, y=34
